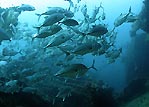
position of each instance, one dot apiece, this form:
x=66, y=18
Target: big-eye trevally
x=70, y=22
x=98, y=30
x=132, y=18
x=121, y=19
x=59, y=39
x=87, y=47
x=74, y=70
x=45, y=32
x=51, y=19
x=53, y=10
x=26, y=7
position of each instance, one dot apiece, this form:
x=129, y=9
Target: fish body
x=26, y=7
x=59, y=39
x=41, y=35
x=122, y=18
x=3, y=36
x=85, y=48
x=52, y=19
x=70, y=22
x=98, y=30
x=74, y=70
x=9, y=52
x=132, y=18
x=48, y=32
x=68, y=14
x=53, y=10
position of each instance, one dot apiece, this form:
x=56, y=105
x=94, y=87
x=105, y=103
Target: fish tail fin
x=39, y=15
x=44, y=48
x=101, y=6
x=93, y=66
x=20, y=52
x=33, y=39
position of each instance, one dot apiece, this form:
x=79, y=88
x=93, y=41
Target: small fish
x=70, y=22
x=41, y=35
x=9, y=52
x=3, y=35
x=114, y=53
x=74, y=70
x=26, y=7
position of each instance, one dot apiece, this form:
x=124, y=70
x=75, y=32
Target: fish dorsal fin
x=130, y=9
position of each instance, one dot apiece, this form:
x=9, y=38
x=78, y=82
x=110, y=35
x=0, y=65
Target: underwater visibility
x=74, y=53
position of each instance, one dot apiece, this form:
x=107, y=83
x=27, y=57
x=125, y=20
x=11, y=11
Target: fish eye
x=75, y=70
x=63, y=37
x=90, y=47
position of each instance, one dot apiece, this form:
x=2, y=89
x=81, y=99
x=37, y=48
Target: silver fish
x=121, y=19
x=98, y=30
x=74, y=70
x=59, y=39
x=10, y=52
x=85, y=48
x=51, y=19
x=26, y=7
x=47, y=32
x=70, y=22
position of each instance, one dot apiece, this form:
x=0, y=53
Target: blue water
x=33, y=69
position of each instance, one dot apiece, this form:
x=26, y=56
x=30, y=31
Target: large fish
x=51, y=19
x=53, y=10
x=3, y=35
x=59, y=39
x=98, y=30
x=87, y=47
x=70, y=22
x=47, y=32
x=26, y=7
x=121, y=19
x=74, y=70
